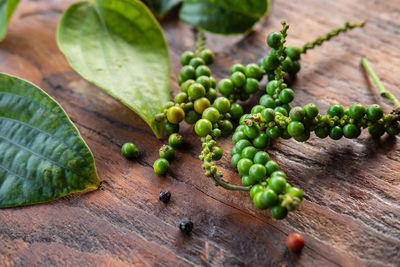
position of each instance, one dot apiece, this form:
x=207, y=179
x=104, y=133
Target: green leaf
x=42, y=157
x=7, y=8
x=162, y=7
x=119, y=46
x=223, y=16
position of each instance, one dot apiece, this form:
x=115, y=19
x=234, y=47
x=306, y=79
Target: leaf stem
x=320, y=40
x=219, y=181
x=383, y=92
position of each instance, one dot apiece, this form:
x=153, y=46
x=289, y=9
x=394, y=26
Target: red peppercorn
x=295, y=242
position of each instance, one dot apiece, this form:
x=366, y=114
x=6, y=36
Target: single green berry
x=238, y=79
x=251, y=86
x=293, y=52
x=351, y=131
x=257, y=109
x=311, y=111
x=241, y=144
x=258, y=202
x=175, y=114
x=273, y=132
x=217, y=153
x=161, y=166
x=303, y=137
x=243, y=166
x=191, y=117
x=295, y=128
x=272, y=86
x=235, y=159
x=297, y=114
x=278, y=184
x=225, y=87
x=267, y=101
x=274, y=40
x=205, y=81
x=281, y=110
x=180, y=97
x=335, y=110
x=279, y=212
x=376, y=130
x=222, y=104
x=175, y=140
x=257, y=171
x=196, y=61
x=357, y=111
x=322, y=132
x=268, y=198
x=211, y=95
x=255, y=189
x=248, y=180
x=226, y=127
x=213, y=82
x=287, y=65
x=186, y=57
x=267, y=115
x=249, y=152
x=196, y=91
x=186, y=84
x=261, y=141
x=271, y=166
x=374, y=112
x=238, y=136
x=203, y=127
x=251, y=131
x=201, y=104
x=261, y=157
x=187, y=73
x=286, y=95
x=203, y=71
x=271, y=62
x=278, y=173
x=211, y=114
x=208, y=56
x=236, y=111
x=216, y=132
x=171, y=128
x=167, y=152
x=253, y=71
x=336, y=133
x=130, y=151
x=295, y=192
x=236, y=68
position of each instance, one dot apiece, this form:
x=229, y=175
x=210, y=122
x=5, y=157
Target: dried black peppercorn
x=165, y=196
x=186, y=226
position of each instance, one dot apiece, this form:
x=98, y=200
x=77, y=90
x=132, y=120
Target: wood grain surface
x=351, y=212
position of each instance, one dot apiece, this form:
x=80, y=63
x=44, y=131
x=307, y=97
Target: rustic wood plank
x=351, y=210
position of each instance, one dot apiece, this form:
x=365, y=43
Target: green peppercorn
x=251, y=86
x=267, y=101
x=335, y=110
x=211, y=114
x=267, y=115
x=226, y=127
x=207, y=55
x=130, y=151
x=217, y=153
x=297, y=114
x=303, y=137
x=180, y=97
x=261, y=141
x=272, y=86
x=186, y=84
x=257, y=109
x=238, y=79
x=295, y=128
x=249, y=152
x=244, y=165
x=268, y=198
x=257, y=172
x=279, y=212
x=171, y=128
x=374, y=112
x=273, y=132
x=248, y=180
x=196, y=91
x=253, y=71
x=274, y=40
x=295, y=192
x=216, y=132
x=281, y=110
x=376, y=130
x=191, y=117
x=271, y=62
x=271, y=166
x=186, y=57
x=278, y=184
x=393, y=129
x=167, y=152
x=236, y=111
x=202, y=71
x=175, y=114
x=357, y=111
x=241, y=144
x=175, y=140
x=311, y=111
x=187, y=73
x=161, y=166
x=222, y=104
x=286, y=95
x=201, y=104
x=261, y=157
x=322, y=132
x=336, y=133
x=238, y=136
x=278, y=173
x=236, y=68
x=205, y=81
x=235, y=159
x=251, y=131
x=351, y=131
x=203, y=127
x=196, y=61
x=293, y=52
x=287, y=65
x=255, y=189
x=211, y=95
x=225, y=87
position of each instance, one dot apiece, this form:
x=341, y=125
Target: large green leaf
x=42, y=157
x=162, y=7
x=119, y=46
x=7, y=8
x=223, y=16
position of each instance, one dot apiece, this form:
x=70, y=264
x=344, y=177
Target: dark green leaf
x=42, y=157
x=162, y=7
x=119, y=46
x=7, y=8
x=223, y=16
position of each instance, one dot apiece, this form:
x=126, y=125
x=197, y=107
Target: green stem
x=200, y=41
x=221, y=182
x=383, y=92
x=320, y=40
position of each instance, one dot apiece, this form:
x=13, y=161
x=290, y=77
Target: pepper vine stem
x=383, y=92
x=320, y=40
x=219, y=181
x=200, y=41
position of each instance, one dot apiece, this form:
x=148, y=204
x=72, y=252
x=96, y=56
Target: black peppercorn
x=186, y=226
x=165, y=196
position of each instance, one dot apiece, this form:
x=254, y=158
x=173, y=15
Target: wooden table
x=351, y=212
